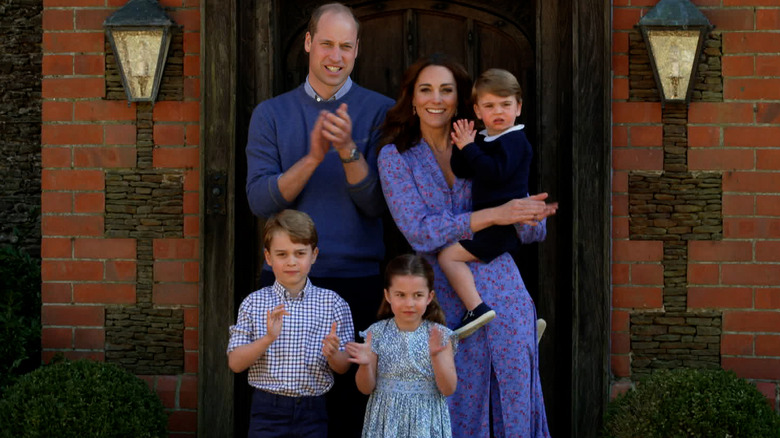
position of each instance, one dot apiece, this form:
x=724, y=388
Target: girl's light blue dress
x=406, y=401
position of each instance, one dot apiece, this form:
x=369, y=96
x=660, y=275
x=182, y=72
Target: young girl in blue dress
x=407, y=361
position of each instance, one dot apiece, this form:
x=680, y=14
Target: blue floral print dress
x=406, y=402
x=497, y=365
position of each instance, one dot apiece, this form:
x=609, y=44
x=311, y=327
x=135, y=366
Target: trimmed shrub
x=81, y=399
x=20, y=314
x=691, y=403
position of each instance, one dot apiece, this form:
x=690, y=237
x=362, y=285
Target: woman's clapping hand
x=530, y=210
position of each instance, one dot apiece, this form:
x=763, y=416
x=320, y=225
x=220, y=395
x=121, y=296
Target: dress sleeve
x=530, y=234
x=376, y=330
x=427, y=229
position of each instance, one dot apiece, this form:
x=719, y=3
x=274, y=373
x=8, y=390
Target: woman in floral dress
x=497, y=366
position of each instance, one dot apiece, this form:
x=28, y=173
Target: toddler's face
x=498, y=112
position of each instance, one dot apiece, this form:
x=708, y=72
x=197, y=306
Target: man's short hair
x=297, y=224
x=336, y=8
x=498, y=82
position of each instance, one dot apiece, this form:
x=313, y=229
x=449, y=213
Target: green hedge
x=692, y=403
x=20, y=314
x=81, y=399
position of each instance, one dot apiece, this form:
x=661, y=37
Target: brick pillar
x=674, y=288
x=120, y=206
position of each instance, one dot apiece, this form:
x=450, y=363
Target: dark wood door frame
x=573, y=58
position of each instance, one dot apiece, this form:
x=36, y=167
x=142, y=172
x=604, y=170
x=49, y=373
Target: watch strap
x=354, y=155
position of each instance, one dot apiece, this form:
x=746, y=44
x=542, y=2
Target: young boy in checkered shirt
x=290, y=335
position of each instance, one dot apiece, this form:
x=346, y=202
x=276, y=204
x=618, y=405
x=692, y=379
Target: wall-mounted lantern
x=140, y=34
x=674, y=31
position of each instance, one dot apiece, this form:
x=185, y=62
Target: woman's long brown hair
x=402, y=126
x=410, y=264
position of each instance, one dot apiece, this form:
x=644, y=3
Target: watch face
x=353, y=156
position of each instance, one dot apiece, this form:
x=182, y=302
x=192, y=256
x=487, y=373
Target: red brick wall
x=83, y=136
x=740, y=137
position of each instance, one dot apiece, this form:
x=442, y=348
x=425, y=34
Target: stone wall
x=20, y=122
x=145, y=203
x=675, y=206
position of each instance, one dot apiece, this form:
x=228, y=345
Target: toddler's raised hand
x=463, y=133
x=361, y=354
x=435, y=341
x=330, y=344
x=274, y=320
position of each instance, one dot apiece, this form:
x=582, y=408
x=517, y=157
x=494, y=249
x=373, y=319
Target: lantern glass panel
x=139, y=52
x=674, y=52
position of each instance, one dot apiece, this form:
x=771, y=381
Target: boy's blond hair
x=498, y=82
x=297, y=224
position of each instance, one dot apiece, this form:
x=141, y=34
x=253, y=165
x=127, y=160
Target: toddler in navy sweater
x=498, y=160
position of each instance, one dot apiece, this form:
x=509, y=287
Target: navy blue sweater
x=347, y=217
x=499, y=169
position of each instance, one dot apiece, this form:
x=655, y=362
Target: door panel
x=383, y=34
x=394, y=35
x=439, y=32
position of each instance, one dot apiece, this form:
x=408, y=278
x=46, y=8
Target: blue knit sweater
x=499, y=167
x=347, y=217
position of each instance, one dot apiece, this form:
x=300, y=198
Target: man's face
x=332, y=52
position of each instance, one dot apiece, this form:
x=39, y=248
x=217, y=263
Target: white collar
x=490, y=138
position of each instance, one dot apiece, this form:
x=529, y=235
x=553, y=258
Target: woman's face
x=435, y=97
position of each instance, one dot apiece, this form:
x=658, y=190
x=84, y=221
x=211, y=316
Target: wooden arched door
x=395, y=33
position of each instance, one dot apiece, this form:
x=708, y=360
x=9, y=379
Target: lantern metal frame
x=140, y=16
x=672, y=17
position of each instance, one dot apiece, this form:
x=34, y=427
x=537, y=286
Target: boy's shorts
x=275, y=415
x=491, y=242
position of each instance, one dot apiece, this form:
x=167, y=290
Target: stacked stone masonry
x=668, y=340
x=20, y=123
x=145, y=203
x=674, y=206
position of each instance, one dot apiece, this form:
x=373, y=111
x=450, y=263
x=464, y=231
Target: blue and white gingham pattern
x=293, y=365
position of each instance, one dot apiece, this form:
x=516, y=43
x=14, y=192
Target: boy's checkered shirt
x=293, y=365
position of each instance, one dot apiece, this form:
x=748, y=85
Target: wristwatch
x=354, y=155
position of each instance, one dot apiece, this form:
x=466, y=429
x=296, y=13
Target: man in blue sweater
x=314, y=149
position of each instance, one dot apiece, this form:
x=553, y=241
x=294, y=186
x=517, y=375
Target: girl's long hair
x=411, y=264
x=402, y=126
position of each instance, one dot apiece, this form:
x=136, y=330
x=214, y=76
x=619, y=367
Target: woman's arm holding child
x=337, y=360
x=362, y=355
x=244, y=356
x=443, y=361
